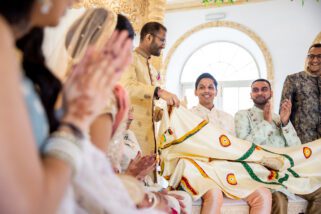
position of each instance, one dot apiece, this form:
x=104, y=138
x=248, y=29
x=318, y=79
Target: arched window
x=232, y=66
x=231, y=52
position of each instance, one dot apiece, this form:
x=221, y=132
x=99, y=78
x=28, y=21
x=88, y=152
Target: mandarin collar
x=142, y=53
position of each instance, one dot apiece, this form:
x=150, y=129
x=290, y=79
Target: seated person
x=263, y=127
x=108, y=127
x=96, y=187
x=134, y=164
x=206, y=90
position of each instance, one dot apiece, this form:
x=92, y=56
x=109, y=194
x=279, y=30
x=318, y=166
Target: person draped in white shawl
x=206, y=90
x=196, y=156
x=263, y=127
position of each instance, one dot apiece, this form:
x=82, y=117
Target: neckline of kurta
x=142, y=53
x=206, y=109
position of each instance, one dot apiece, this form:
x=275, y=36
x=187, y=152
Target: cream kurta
x=219, y=119
x=140, y=80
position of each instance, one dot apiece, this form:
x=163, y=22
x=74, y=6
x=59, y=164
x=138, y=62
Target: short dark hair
x=151, y=28
x=203, y=76
x=262, y=80
x=316, y=45
x=124, y=24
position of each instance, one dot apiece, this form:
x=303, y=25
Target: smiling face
x=261, y=93
x=206, y=91
x=314, y=60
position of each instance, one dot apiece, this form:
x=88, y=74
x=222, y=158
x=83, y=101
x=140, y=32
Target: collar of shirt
x=203, y=108
x=142, y=53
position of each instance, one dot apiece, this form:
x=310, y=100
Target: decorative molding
x=197, y=4
x=317, y=39
x=135, y=10
x=229, y=24
x=156, y=10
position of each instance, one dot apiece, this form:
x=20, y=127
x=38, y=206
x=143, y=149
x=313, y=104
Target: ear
x=271, y=93
x=215, y=93
x=149, y=37
x=251, y=95
x=195, y=93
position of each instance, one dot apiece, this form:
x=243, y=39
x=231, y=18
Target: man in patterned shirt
x=261, y=126
x=303, y=89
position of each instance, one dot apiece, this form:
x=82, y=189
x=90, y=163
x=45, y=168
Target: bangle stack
x=152, y=199
x=65, y=146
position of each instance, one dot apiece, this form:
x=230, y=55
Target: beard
x=155, y=50
x=261, y=100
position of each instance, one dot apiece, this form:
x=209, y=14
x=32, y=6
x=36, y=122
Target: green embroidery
x=296, y=175
x=248, y=153
x=255, y=177
x=285, y=178
x=284, y=155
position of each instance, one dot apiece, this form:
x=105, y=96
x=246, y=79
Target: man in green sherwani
x=263, y=127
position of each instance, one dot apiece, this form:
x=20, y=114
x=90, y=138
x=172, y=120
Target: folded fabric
x=196, y=156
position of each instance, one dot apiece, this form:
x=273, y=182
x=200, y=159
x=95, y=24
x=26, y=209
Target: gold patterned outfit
x=141, y=80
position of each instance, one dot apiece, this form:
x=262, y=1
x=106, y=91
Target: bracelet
x=73, y=128
x=152, y=199
x=64, y=146
x=156, y=93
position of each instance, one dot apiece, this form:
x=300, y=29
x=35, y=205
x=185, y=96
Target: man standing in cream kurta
x=142, y=82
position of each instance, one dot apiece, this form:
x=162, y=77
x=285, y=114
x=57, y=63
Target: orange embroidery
x=186, y=185
x=231, y=179
x=273, y=175
x=258, y=148
x=203, y=173
x=224, y=141
x=307, y=152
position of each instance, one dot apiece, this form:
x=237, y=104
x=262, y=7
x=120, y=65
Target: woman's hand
x=93, y=79
x=140, y=166
x=122, y=106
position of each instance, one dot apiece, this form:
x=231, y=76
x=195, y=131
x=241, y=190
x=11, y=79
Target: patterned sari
x=196, y=157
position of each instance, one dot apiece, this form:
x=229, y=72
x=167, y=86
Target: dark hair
x=45, y=83
x=16, y=11
x=203, y=76
x=151, y=28
x=262, y=80
x=316, y=45
x=124, y=24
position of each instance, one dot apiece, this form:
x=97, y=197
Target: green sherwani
x=251, y=126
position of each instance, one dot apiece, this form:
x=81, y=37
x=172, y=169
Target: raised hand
x=285, y=111
x=267, y=112
x=93, y=79
x=122, y=106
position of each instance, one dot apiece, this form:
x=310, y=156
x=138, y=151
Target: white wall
x=286, y=27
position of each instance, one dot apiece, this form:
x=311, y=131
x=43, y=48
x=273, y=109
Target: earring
x=45, y=6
